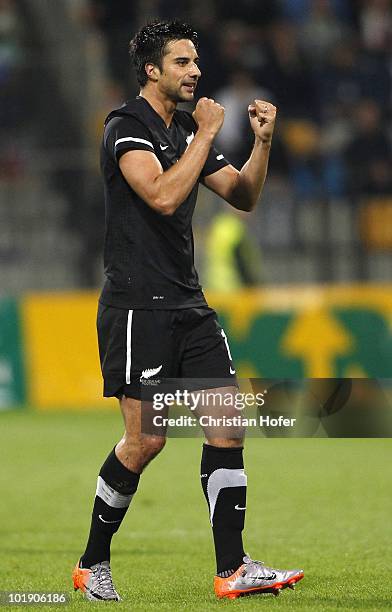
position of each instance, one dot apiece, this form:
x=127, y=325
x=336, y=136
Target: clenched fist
x=262, y=119
x=209, y=116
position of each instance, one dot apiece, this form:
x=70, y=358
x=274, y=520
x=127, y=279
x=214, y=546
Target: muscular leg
x=224, y=483
x=117, y=482
x=136, y=449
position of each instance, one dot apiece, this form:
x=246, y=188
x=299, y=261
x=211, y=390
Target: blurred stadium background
x=312, y=263
x=303, y=289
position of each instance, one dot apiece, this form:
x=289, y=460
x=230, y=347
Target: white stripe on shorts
x=227, y=344
x=129, y=348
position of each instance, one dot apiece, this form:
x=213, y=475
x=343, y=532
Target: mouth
x=190, y=87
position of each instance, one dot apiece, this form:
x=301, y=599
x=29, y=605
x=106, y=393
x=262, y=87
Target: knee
x=152, y=446
x=136, y=452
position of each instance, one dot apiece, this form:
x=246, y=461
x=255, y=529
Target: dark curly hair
x=148, y=45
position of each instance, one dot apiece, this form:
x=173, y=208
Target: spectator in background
x=10, y=39
x=233, y=259
x=233, y=137
x=298, y=10
x=340, y=81
x=295, y=10
x=288, y=75
x=250, y=12
x=115, y=20
x=376, y=25
x=336, y=133
x=350, y=74
x=379, y=178
x=238, y=48
x=368, y=155
x=302, y=139
x=205, y=19
x=320, y=32
x=167, y=8
x=13, y=99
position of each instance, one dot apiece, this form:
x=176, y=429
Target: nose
x=195, y=71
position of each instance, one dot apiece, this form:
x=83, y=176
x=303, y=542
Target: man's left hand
x=262, y=119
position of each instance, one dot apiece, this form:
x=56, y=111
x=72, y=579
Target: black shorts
x=135, y=345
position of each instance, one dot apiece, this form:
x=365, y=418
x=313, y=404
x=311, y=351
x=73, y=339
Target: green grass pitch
x=324, y=505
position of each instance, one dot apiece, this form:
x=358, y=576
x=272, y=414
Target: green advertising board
x=310, y=332
x=12, y=385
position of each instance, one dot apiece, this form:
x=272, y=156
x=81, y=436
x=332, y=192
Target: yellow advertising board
x=61, y=349
x=291, y=332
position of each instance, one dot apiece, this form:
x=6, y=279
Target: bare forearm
x=164, y=190
x=174, y=185
x=251, y=178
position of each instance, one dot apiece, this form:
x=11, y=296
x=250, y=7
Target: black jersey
x=148, y=256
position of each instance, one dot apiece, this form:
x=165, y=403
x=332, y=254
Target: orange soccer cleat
x=95, y=582
x=253, y=577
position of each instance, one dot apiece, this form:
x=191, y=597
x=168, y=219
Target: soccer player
x=153, y=317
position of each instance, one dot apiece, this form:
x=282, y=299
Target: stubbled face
x=180, y=71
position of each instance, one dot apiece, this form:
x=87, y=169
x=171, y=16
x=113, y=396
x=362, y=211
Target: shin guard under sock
x=116, y=486
x=224, y=485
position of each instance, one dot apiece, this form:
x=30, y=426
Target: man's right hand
x=165, y=191
x=209, y=116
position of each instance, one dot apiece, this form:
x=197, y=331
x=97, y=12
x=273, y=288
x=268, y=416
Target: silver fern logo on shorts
x=150, y=372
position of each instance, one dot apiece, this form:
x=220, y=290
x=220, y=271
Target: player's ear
x=152, y=71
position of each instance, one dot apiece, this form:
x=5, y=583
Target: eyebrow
x=182, y=59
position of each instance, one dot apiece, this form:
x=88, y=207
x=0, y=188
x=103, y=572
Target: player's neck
x=164, y=107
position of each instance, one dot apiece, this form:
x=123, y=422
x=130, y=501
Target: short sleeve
x=214, y=162
x=126, y=134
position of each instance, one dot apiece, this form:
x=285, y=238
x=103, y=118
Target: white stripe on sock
x=110, y=496
x=223, y=478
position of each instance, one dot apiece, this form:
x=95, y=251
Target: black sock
x=224, y=485
x=115, y=488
